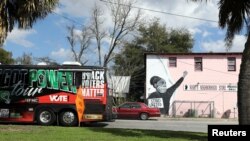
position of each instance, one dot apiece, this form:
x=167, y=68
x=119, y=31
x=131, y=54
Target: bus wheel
x=46, y=117
x=68, y=118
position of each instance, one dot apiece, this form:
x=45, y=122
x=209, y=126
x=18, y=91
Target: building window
x=198, y=63
x=231, y=64
x=172, y=62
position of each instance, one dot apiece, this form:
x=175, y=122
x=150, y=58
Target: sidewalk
x=196, y=119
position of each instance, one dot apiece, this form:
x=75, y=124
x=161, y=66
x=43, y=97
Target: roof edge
x=213, y=53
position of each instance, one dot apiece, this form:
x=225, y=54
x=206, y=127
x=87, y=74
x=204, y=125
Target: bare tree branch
x=124, y=23
x=84, y=42
x=72, y=40
x=97, y=23
x=85, y=39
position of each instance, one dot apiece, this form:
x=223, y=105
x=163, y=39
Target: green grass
x=57, y=133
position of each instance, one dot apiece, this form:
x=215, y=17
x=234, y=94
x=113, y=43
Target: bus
x=64, y=95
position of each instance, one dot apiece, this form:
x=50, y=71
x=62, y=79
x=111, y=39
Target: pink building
x=193, y=84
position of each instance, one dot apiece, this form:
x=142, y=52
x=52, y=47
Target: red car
x=136, y=110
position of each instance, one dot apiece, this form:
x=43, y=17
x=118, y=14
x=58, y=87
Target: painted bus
x=64, y=95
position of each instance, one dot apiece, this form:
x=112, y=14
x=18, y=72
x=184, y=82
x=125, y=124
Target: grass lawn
x=57, y=133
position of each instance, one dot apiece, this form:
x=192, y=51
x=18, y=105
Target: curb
x=195, y=119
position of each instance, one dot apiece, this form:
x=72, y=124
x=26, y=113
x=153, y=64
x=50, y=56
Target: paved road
x=192, y=125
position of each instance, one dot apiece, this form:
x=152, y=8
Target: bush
x=192, y=113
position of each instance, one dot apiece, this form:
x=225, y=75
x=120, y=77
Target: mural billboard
x=193, y=84
x=160, y=87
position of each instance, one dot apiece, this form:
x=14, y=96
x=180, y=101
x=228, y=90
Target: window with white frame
x=198, y=64
x=172, y=62
x=231, y=64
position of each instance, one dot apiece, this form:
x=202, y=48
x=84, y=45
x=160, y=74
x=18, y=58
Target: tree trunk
x=244, y=86
x=3, y=32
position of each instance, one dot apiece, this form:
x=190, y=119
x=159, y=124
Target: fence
x=193, y=109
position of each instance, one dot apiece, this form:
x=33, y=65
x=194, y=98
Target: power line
x=162, y=12
x=70, y=19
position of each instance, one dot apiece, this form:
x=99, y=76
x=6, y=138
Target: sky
x=47, y=38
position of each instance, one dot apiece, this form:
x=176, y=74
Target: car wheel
x=68, y=118
x=143, y=116
x=46, y=117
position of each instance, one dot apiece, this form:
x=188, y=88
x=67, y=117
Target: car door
x=135, y=110
x=124, y=110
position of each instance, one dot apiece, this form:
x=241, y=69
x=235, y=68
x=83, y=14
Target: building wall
x=210, y=92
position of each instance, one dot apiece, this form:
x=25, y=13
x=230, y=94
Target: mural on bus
x=16, y=84
x=93, y=84
x=29, y=84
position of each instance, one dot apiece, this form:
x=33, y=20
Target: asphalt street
x=181, y=124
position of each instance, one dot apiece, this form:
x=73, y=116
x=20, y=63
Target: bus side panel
x=17, y=113
x=23, y=89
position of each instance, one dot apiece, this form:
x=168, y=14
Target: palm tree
x=234, y=16
x=23, y=13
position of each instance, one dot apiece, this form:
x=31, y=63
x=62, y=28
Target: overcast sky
x=48, y=36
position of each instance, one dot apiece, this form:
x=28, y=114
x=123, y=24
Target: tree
x=47, y=60
x=25, y=59
x=6, y=57
x=83, y=39
x=124, y=22
x=98, y=33
x=24, y=13
x=234, y=16
x=129, y=62
x=154, y=37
